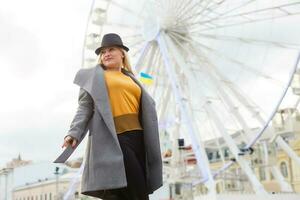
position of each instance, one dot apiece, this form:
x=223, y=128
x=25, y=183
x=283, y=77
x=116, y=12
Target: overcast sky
x=40, y=52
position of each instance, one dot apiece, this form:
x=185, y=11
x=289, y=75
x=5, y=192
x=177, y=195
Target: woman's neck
x=114, y=69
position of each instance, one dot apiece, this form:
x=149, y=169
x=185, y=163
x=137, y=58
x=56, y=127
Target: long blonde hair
x=125, y=62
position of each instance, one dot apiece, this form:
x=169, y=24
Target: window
x=284, y=169
x=226, y=152
x=41, y=197
x=50, y=196
x=262, y=174
x=210, y=156
x=45, y=196
x=271, y=176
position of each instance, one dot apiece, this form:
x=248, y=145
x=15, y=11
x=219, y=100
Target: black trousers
x=132, y=145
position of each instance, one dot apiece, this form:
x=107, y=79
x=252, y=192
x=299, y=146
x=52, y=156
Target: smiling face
x=112, y=58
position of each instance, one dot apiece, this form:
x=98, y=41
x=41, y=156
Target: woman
x=123, y=158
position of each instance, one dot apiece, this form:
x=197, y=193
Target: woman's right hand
x=69, y=140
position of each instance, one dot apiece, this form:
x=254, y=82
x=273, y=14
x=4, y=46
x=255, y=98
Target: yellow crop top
x=124, y=95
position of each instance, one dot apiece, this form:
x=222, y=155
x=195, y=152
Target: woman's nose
x=106, y=54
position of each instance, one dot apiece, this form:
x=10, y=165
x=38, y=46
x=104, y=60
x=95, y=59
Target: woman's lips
x=107, y=59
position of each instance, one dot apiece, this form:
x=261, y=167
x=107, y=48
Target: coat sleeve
x=78, y=128
x=83, y=114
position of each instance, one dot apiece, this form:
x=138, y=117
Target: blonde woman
x=123, y=157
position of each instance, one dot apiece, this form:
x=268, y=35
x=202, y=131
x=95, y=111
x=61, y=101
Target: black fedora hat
x=111, y=39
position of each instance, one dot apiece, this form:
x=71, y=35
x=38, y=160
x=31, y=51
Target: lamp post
x=56, y=183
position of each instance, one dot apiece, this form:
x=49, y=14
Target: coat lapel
x=100, y=94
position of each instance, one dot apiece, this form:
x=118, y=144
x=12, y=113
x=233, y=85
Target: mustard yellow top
x=124, y=95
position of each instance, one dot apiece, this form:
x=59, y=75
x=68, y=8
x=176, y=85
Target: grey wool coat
x=104, y=168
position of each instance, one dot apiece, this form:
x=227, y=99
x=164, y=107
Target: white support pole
x=291, y=153
x=284, y=185
x=145, y=50
x=202, y=160
x=166, y=95
x=266, y=158
x=175, y=161
x=257, y=186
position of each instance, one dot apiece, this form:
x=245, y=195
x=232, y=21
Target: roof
x=37, y=172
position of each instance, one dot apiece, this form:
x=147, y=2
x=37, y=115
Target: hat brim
x=98, y=50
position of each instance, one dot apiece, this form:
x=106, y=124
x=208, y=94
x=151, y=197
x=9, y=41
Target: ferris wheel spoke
x=198, y=14
x=181, y=7
x=127, y=26
x=226, y=12
x=173, y=5
x=150, y=59
x=187, y=8
x=246, y=40
x=253, y=16
x=128, y=10
x=177, y=5
x=242, y=65
x=135, y=42
x=211, y=13
x=143, y=52
x=137, y=50
x=158, y=84
x=133, y=38
x=243, y=98
x=166, y=94
x=233, y=60
x=226, y=99
x=193, y=19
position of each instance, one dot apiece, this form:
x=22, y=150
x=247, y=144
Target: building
x=7, y=178
x=32, y=181
x=46, y=189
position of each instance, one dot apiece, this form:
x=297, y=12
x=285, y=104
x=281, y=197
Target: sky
x=40, y=53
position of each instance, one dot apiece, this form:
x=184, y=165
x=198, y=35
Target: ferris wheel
x=220, y=70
